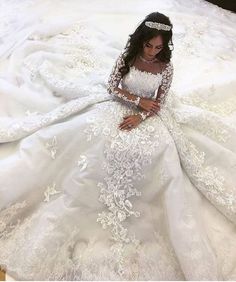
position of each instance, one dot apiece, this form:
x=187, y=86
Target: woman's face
x=152, y=47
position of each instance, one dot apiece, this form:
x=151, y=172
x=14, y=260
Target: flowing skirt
x=82, y=200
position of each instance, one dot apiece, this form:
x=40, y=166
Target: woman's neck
x=146, y=60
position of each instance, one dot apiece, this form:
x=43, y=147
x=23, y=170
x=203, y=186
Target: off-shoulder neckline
x=146, y=72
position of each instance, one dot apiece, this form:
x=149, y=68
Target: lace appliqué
x=209, y=124
x=82, y=162
x=207, y=179
x=223, y=108
x=7, y=215
x=22, y=127
x=127, y=156
x=114, y=81
x=52, y=147
x=71, y=259
x=167, y=77
x=29, y=113
x=50, y=191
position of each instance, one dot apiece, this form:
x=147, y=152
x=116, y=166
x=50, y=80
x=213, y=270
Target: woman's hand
x=130, y=122
x=149, y=105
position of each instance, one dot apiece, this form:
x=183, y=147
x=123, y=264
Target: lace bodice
x=140, y=83
x=143, y=84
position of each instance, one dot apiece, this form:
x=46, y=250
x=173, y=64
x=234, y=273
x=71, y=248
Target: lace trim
x=22, y=127
x=73, y=259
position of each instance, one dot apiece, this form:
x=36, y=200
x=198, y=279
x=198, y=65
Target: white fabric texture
x=82, y=200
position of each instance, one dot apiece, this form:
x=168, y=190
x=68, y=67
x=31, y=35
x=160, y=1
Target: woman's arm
x=167, y=77
x=114, y=81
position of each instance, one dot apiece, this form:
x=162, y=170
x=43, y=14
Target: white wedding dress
x=81, y=199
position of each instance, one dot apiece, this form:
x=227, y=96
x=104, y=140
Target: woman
x=138, y=163
x=148, y=49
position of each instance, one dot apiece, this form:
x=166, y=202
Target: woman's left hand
x=130, y=122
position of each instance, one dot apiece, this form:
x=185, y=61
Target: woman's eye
x=158, y=47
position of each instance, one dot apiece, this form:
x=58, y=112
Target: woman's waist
x=143, y=94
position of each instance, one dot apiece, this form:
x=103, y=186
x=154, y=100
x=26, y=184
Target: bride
x=131, y=184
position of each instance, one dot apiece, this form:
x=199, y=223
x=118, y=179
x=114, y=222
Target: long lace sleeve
x=114, y=81
x=167, y=77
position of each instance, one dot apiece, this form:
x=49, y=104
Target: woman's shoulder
x=123, y=53
x=119, y=61
x=167, y=66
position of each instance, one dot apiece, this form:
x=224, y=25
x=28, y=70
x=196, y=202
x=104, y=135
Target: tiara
x=158, y=26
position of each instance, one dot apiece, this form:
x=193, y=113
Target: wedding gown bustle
x=151, y=175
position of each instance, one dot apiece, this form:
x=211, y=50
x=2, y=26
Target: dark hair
x=143, y=34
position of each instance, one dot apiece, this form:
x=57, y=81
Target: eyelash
x=158, y=48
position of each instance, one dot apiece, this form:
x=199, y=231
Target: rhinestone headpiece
x=158, y=26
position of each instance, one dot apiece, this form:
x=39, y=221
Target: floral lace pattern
x=206, y=124
x=24, y=126
x=50, y=191
x=127, y=158
x=128, y=155
x=52, y=147
x=223, y=108
x=207, y=179
x=162, y=82
x=7, y=217
x=118, y=181
x=82, y=163
x=69, y=262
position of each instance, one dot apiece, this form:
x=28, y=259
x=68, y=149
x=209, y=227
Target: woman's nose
x=153, y=52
